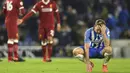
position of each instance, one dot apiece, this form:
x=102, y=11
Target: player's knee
x=43, y=43
x=108, y=49
x=77, y=51
x=74, y=52
x=10, y=41
x=50, y=40
x=16, y=40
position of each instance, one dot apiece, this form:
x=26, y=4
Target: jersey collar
x=46, y=2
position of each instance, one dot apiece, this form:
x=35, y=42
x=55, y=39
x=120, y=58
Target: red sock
x=16, y=51
x=44, y=53
x=49, y=50
x=10, y=51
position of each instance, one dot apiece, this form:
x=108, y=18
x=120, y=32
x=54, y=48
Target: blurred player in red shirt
x=47, y=11
x=12, y=9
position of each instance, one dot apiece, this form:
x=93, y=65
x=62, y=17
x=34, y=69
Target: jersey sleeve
x=35, y=8
x=86, y=37
x=55, y=7
x=108, y=33
x=56, y=12
x=20, y=6
x=4, y=9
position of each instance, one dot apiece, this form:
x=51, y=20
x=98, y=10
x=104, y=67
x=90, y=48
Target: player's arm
x=57, y=16
x=3, y=10
x=34, y=10
x=20, y=7
x=106, y=35
x=19, y=21
x=87, y=43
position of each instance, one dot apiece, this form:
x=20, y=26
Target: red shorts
x=45, y=32
x=12, y=31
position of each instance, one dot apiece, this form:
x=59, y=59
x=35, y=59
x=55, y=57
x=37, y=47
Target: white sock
x=107, y=58
x=80, y=57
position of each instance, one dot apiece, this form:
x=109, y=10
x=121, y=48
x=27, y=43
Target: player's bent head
x=77, y=51
x=98, y=25
x=100, y=22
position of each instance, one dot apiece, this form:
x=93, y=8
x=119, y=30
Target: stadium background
x=76, y=17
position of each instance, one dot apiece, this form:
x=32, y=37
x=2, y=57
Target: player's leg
x=15, y=50
x=78, y=52
x=49, y=47
x=50, y=34
x=15, y=36
x=106, y=52
x=10, y=42
x=10, y=49
x=43, y=43
x=44, y=49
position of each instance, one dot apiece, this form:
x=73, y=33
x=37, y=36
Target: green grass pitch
x=62, y=65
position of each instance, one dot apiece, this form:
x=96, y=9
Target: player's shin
x=49, y=45
x=44, y=47
x=10, y=49
x=15, y=50
x=107, y=58
x=49, y=51
x=107, y=52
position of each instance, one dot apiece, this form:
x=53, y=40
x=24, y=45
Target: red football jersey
x=12, y=8
x=46, y=13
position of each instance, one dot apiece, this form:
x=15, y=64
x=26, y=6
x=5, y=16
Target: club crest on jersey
x=50, y=5
x=46, y=9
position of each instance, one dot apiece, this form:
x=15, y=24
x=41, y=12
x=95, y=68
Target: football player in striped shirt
x=96, y=45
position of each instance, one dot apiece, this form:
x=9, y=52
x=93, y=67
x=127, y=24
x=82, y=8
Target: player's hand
x=89, y=67
x=19, y=21
x=58, y=27
x=103, y=29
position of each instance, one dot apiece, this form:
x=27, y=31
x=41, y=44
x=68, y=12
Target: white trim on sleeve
x=34, y=11
x=56, y=10
x=21, y=7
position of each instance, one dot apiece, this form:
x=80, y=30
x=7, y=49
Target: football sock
x=44, y=53
x=16, y=51
x=49, y=50
x=10, y=51
x=107, y=58
x=80, y=57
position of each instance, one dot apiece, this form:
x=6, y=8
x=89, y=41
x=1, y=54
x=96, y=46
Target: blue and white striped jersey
x=95, y=40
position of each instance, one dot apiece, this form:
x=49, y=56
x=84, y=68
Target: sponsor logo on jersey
x=47, y=10
x=42, y=6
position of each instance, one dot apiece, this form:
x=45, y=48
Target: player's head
x=98, y=25
x=45, y=1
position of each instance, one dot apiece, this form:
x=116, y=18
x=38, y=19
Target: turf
x=62, y=65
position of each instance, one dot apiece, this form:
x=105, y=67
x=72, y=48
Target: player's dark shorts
x=12, y=30
x=94, y=52
x=45, y=32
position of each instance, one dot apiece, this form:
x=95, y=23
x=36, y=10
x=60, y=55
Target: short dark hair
x=100, y=22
